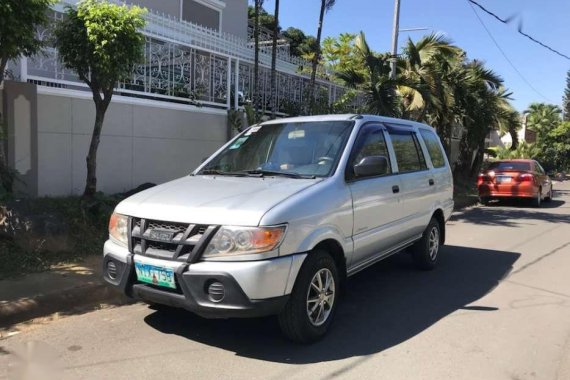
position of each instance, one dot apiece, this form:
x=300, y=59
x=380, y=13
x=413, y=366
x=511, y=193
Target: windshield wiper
x=262, y=173
x=218, y=172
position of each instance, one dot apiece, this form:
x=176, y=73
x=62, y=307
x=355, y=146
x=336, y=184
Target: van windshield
x=309, y=149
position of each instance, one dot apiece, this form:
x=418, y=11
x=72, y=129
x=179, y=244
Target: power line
x=508, y=20
x=505, y=55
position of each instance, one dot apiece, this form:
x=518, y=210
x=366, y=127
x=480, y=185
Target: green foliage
x=235, y=119
x=84, y=235
x=523, y=151
x=552, y=136
x=346, y=103
x=301, y=45
x=542, y=118
x=266, y=20
x=101, y=41
x=372, y=79
x=250, y=114
x=341, y=54
x=566, y=98
x=19, y=20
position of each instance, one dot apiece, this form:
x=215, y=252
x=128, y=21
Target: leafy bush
x=54, y=230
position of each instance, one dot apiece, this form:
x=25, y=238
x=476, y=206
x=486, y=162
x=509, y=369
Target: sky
x=545, y=20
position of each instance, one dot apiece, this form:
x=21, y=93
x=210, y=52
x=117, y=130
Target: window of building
x=198, y=12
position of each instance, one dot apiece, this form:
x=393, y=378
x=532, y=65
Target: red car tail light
x=526, y=178
x=483, y=178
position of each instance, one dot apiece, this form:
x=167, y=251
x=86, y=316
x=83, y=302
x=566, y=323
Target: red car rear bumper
x=514, y=190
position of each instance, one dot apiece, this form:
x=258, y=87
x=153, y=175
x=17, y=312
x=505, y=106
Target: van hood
x=219, y=200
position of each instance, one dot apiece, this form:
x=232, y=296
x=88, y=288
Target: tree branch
x=84, y=78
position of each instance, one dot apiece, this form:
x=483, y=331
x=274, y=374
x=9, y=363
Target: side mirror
x=371, y=166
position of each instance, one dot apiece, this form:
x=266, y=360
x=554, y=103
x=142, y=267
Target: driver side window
x=370, y=142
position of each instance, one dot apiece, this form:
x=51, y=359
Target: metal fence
x=188, y=63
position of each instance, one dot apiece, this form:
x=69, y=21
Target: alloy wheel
x=433, y=243
x=320, y=297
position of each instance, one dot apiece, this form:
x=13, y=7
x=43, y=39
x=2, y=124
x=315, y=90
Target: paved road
x=497, y=307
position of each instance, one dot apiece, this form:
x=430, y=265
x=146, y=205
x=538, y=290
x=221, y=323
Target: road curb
x=63, y=301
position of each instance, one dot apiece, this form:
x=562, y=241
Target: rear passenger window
x=433, y=147
x=408, y=152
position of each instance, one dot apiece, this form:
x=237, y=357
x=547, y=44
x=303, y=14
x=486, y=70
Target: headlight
x=118, y=225
x=232, y=241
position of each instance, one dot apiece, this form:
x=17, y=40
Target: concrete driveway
x=497, y=307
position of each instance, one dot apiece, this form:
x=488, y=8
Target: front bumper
x=251, y=289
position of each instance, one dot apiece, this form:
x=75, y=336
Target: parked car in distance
x=514, y=179
x=278, y=218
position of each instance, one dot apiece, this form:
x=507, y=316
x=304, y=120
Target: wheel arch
x=334, y=248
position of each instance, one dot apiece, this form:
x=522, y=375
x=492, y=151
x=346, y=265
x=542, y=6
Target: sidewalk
x=66, y=289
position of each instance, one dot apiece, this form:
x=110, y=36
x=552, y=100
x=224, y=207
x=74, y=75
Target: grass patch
x=74, y=230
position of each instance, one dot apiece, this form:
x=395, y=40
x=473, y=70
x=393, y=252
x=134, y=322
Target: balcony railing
x=184, y=62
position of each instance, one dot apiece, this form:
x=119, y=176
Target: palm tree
x=509, y=121
x=379, y=90
x=274, y=62
x=419, y=66
x=256, y=27
x=479, y=97
x=326, y=5
x=542, y=117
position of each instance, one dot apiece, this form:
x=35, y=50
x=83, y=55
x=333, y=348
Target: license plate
x=161, y=235
x=503, y=179
x=155, y=275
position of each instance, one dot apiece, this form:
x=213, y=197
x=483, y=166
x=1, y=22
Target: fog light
x=112, y=270
x=216, y=291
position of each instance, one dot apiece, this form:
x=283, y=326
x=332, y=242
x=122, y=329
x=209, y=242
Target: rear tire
x=313, y=302
x=426, y=250
x=484, y=201
x=537, y=201
x=549, y=196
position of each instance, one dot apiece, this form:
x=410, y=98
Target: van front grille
x=169, y=240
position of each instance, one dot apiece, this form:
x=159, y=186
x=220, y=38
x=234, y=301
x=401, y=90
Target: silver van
x=277, y=219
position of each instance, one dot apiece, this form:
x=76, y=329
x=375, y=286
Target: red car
x=514, y=179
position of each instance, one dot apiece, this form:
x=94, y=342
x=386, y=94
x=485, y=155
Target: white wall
x=142, y=141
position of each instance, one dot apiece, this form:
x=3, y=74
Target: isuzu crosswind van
x=277, y=219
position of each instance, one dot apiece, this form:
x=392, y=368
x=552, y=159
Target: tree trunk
x=274, y=62
x=256, y=58
x=3, y=64
x=514, y=138
x=91, y=183
x=6, y=176
x=316, y=58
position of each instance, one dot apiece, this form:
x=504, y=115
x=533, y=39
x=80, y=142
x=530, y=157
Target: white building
x=164, y=120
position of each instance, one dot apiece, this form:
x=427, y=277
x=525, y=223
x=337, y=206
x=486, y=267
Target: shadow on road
x=513, y=213
x=383, y=306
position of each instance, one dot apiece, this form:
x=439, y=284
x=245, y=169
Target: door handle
x=395, y=189
x=431, y=182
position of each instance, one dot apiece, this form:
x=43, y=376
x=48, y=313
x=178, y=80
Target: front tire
x=426, y=250
x=311, y=307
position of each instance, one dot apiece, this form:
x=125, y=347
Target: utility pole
x=395, y=30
